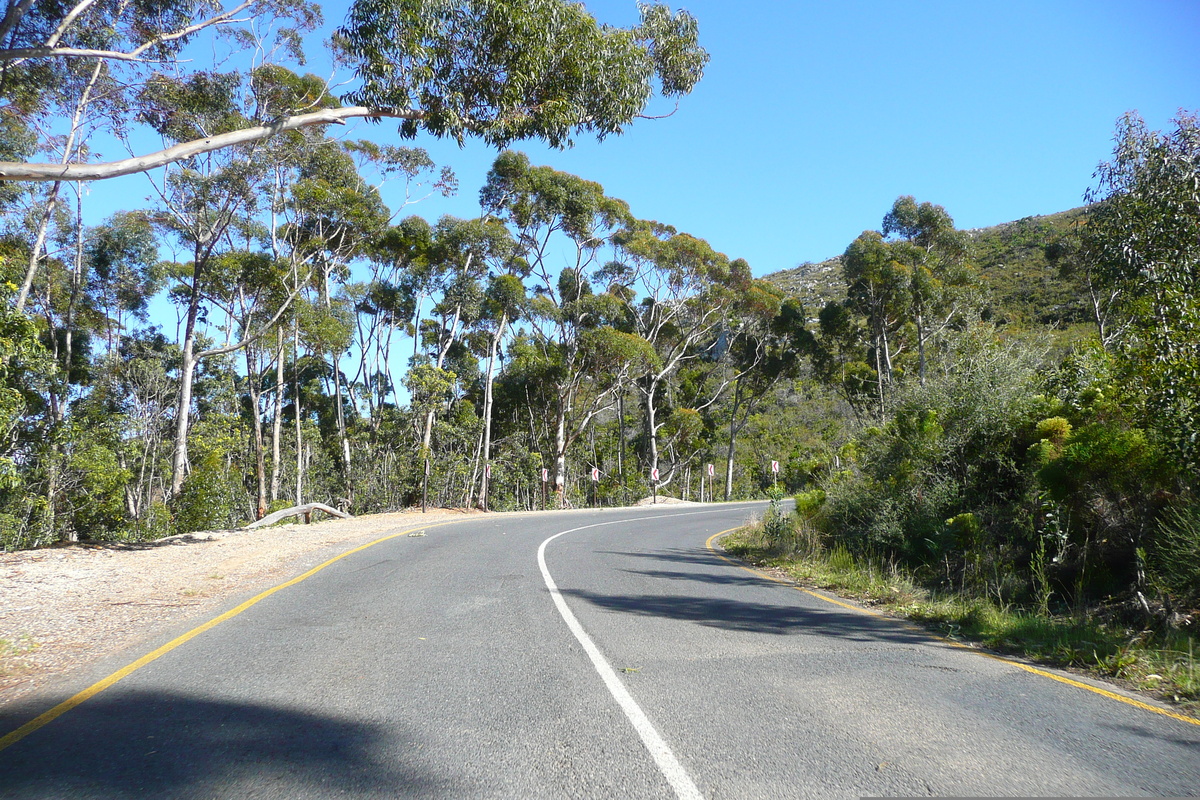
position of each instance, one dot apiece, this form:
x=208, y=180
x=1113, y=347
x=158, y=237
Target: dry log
x=296, y=511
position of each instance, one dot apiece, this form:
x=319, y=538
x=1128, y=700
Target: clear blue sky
x=814, y=116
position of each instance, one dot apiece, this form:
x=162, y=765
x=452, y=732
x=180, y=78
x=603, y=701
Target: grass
x=1165, y=665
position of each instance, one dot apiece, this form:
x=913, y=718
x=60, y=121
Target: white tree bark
x=20, y=171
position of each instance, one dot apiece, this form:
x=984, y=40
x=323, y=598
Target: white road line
x=672, y=770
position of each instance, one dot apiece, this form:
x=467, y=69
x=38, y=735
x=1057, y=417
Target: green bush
x=211, y=499
x=156, y=523
x=1174, y=558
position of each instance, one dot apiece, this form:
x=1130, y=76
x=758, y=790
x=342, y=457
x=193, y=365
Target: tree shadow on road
x=718, y=578
x=677, y=555
x=753, y=617
x=150, y=744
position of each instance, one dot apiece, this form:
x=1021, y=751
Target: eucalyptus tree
x=458, y=260
x=683, y=296
x=765, y=347
x=878, y=288
x=73, y=69
x=934, y=253
x=1142, y=240
x=333, y=219
x=503, y=304
x=543, y=69
x=200, y=204
x=391, y=300
x=124, y=272
x=570, y=325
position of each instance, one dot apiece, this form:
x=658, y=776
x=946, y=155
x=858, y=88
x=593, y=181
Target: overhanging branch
x=19, y=171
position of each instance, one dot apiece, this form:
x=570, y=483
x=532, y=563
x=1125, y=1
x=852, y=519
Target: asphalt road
x=445, y=665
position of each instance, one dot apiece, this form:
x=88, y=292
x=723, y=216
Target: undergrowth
x=1166, y=664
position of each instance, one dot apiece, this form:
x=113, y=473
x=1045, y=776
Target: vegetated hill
x=815, y=284
x=1022, y=287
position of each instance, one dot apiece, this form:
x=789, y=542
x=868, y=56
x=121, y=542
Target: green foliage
x=212, y=498
x=944, y=455
x=97, y=484
x=516, y=70
x=1142, y=240
x=1174, y=559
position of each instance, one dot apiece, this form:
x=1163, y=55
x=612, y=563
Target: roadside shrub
x=1174, y=559
x=211, y=499
x=155, y=523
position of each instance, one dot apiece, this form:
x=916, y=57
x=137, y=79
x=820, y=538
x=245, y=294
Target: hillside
x=1011, y=258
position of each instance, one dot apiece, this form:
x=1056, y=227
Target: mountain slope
x=1021, y=285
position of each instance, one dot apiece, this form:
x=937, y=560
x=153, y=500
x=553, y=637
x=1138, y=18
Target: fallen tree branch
x=296, y=511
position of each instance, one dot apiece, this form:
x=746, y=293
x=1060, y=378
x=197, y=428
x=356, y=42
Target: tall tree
x=542, y=69
x=934, y=253
x=1144, y=240
x=877, y=287
x=689, y=295
x=547, y=208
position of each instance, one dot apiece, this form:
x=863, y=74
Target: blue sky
x=813, y=117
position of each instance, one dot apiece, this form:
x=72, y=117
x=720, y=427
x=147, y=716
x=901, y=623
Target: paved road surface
x=442, y=666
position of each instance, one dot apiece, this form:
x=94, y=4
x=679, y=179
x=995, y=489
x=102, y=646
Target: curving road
x=580, y=654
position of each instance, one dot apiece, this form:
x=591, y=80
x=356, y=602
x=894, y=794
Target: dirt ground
x=65, y=606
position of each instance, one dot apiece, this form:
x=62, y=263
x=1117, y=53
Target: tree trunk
x=486, y=449
x=85, y=99
x=347, y=485
x=260, y=465
x=559, y=473
x=733, y=429
x=277, y=422
x=296, y=406
x=187, y=367
x=919, y=319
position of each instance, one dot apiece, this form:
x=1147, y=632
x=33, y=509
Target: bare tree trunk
x=488, y=401
x=347, y=486
x=919, y=319
x=35, y=255
x=187, y=368
x=652, y=426
x=260, y=465
x=621, y=442
x=277, y=422
x=296, y=406
x=559, y=475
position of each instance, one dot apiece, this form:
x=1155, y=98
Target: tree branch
x=12, y=17
x=20, y=171
x=50, y=48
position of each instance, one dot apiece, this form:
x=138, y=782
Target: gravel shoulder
x=63, y=607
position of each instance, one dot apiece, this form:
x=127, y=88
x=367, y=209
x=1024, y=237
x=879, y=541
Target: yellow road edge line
x=1028, y=668
x=9, y=739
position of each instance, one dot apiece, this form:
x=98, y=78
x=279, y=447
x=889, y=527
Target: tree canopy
x=527, y=69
